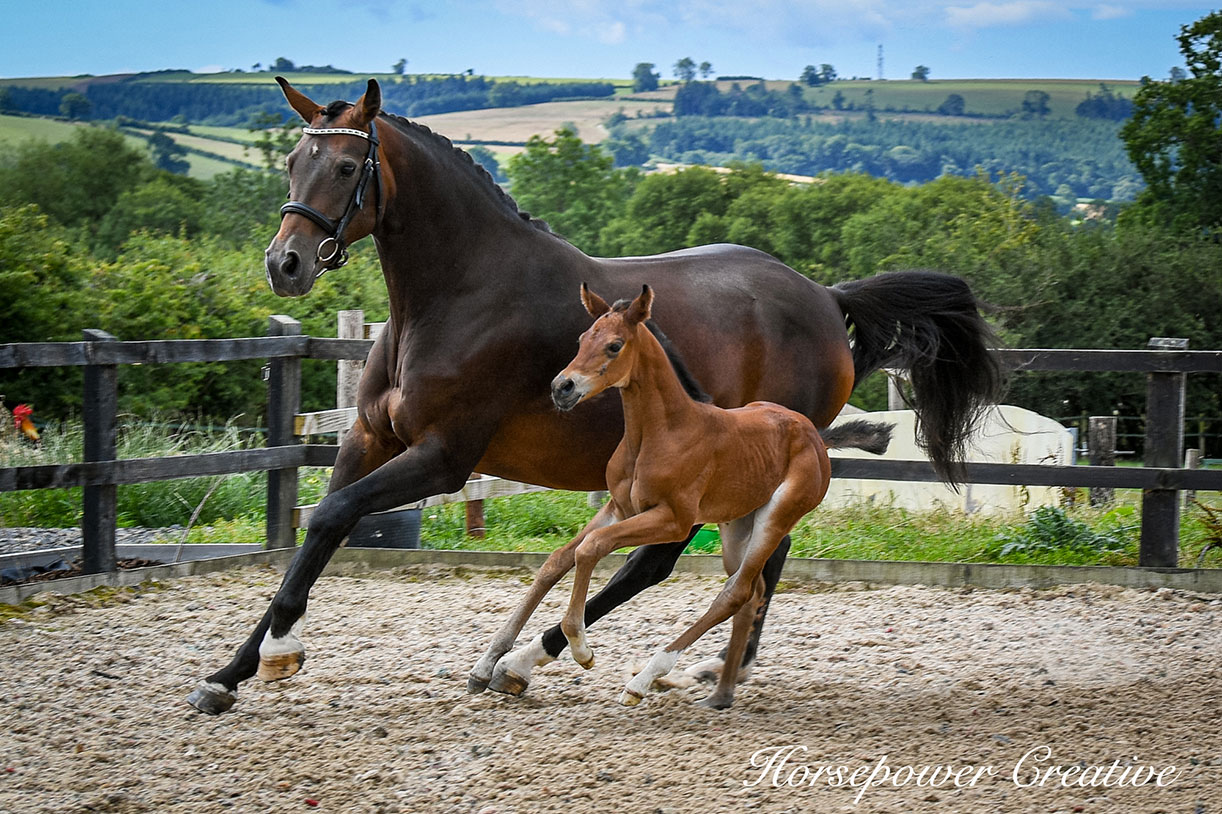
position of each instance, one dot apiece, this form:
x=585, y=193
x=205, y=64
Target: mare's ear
x=306, y=107
x=638, y=312
x=369, y=104
x=595, y=305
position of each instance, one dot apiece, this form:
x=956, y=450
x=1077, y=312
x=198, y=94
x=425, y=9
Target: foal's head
x=607, y=351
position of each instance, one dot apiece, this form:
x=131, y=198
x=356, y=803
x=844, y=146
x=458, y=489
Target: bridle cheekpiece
x=332, y=251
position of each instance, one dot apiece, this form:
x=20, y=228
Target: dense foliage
x=220, y=103
x=1067, y=158
x=1175, y=135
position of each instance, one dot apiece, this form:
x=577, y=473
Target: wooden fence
x=1166, y=364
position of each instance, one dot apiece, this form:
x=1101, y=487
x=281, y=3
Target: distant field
x=988, y=97
x=517, y=124
x=240, y=133
x=16, y=129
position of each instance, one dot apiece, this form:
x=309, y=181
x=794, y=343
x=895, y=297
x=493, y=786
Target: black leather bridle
x=336, y=250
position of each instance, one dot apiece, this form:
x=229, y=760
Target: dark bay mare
x=482, y=315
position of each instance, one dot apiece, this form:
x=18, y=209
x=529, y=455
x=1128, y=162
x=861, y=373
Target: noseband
x=333, y=252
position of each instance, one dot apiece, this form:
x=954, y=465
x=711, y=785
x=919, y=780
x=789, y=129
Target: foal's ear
x=595, y=305
x=369, y=104
x=638, y=312
x=306, y=107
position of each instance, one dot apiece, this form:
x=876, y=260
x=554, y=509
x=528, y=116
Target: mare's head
x=608, y=350
x=335, y=189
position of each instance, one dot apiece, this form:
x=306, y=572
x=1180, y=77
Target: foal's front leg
x=510, y=678
x=656, y=525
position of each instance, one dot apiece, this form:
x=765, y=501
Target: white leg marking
x=527, y=657
x=662, y=663
x=288, y=643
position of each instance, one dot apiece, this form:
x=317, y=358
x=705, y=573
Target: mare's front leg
x=513, y=679
x=652, y=526
x=427, y=468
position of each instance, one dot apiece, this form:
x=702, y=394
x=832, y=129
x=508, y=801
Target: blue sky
x=1116, y=39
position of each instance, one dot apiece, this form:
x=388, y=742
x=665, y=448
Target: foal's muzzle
x=565, y=393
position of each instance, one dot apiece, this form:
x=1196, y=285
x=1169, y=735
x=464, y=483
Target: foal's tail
x=930, y=324
x=871, y=436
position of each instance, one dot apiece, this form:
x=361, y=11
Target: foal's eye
x=615, y=347
x=347, y=169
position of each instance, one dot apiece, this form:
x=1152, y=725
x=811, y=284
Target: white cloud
x=1107, y=12
x=1019, y=12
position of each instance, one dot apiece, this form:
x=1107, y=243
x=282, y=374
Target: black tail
x=930, y=324
x=871, y=436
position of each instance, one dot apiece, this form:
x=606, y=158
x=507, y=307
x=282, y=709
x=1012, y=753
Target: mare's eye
x=347, y=169
x=614, y=348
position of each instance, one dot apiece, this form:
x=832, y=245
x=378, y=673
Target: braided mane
x=481, y=174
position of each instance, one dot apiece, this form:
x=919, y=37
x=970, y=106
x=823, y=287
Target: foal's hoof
x=506, y=681
x=212, y=698
x=716, y=701
x=280, y=666
x=629, y=698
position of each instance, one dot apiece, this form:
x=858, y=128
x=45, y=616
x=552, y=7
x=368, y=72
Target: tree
x=1178, y=74
x=1174, y=139
x=920, y=73
x=1035, y=103
x=953, y=106
x=685, y=70
x=400, y=66
x=76, y=182
x=6, y=100
x=282, y=65
x=572, y=185
x=75, y=106
x=706, y=70
x=168, y=154
x=827, y=73
x=810, y=76
x=485, y=158
x=644, y=78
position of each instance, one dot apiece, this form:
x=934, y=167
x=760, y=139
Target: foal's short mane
x=482, y=175
x=686, y=378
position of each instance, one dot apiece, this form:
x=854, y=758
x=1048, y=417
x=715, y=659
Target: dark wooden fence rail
x=1165, y=364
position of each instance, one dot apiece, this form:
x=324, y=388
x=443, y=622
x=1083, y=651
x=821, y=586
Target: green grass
x=16, y=129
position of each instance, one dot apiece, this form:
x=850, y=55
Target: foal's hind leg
x=744, y=618
x=710, y=669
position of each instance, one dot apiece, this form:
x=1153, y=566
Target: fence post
x=1102, y=443
x=1160, y=508
x=100, y=503
x=1192, y=460
x=348, y=372
x=283, y=404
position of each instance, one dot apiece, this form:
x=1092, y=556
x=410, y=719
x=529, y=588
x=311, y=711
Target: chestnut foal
x=754, y=471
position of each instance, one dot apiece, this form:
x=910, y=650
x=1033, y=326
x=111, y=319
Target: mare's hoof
x=280, y=666
x=716, y=701
x=476, y=685
x=212, y=698
x=506, y=681
x=588, y=664
x=629, y=698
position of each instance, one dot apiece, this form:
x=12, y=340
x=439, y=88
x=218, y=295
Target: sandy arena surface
x=93, y=716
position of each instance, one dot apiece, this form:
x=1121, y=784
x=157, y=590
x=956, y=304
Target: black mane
x=409, y=127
